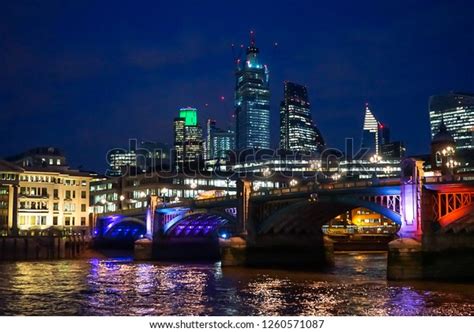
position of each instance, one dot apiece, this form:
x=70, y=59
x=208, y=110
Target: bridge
x=275, y=226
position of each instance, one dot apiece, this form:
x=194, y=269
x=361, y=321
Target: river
x=119, y=286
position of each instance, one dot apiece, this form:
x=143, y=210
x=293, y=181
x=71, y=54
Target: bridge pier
x=143, y=250
x=233, y=251
x=405, y=260
x=281, y=251
x=440, y=250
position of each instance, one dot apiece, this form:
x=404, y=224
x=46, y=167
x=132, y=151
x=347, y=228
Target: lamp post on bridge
x=227, y=182
x=375, y=159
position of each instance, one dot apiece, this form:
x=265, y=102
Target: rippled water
x=356, y=286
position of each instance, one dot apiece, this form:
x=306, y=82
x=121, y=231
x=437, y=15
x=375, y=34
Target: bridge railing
x=448, y=179
x=329, y=186
x=216, y=199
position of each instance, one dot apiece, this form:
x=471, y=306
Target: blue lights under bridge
x=168, y=223
x=121, y=228
x=199, y=225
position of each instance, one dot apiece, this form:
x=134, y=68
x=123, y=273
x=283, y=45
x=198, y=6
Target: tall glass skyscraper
x=297, y=130
x=370, y=133
x=252, y=102
x=456, y=110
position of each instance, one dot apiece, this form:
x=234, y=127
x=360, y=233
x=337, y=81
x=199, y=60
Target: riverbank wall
x=18, y=248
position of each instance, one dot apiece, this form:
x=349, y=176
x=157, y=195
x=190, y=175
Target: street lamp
x=164, y=192
x=227, y=182
x=256, y=185
x=266, y=172
x=316, y=165
x=387, y=170
x=375, y=158
x=452, y=163
x=193, y=185
x=293, y=183
x=121, y=198
x=336, y=176
x=447, y=151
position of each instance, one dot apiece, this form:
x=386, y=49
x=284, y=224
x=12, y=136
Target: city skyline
x=77, y=95
x=213, y=165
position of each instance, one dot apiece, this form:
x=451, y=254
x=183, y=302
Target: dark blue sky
x=88, y=75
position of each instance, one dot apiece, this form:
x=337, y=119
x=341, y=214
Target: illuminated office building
x=142, y=156
x=297, y=130
x=120, y=160
x=370, y=134
x=252, y=102
x=218, y=141
x=456, y=110
x=188, y=141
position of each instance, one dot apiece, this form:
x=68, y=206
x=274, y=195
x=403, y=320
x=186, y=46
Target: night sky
x=88, y=75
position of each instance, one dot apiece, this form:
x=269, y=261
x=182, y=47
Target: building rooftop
x=6, y=166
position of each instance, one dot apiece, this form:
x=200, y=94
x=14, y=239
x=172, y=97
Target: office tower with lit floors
x=456, y=111
x=297, y=130
x=188, y=142
x=218, y=141
x=370, y=133
x=252, y=101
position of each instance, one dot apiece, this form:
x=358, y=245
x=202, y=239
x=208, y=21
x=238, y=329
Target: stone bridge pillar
x=411, y=189
x=405, y=255
x=143, y=249
x=150, y=215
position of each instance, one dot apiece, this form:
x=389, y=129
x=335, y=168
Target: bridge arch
x=201, y=223
x=309, y=217
x=125, y=229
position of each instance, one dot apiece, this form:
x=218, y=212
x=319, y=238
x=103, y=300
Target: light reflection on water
x=356, y=286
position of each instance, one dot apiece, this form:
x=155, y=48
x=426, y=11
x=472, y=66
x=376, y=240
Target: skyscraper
x=218, y=141
x=252, y=102
x=370, y=133
x=383, y=135
x=210, y=127
x=297, y=130
x=188, y=141
x=179, y=134
x=456, y=110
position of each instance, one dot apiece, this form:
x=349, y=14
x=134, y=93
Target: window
x=73, y=219
x=83, y=194
x=83, y=221
x=73, y=194
x=41, y=220
x=56, y=193
x=69, y=207
x=83, y=208
x=56, y=207
x=67, y=221
x=55, y=220
x=68, y=194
